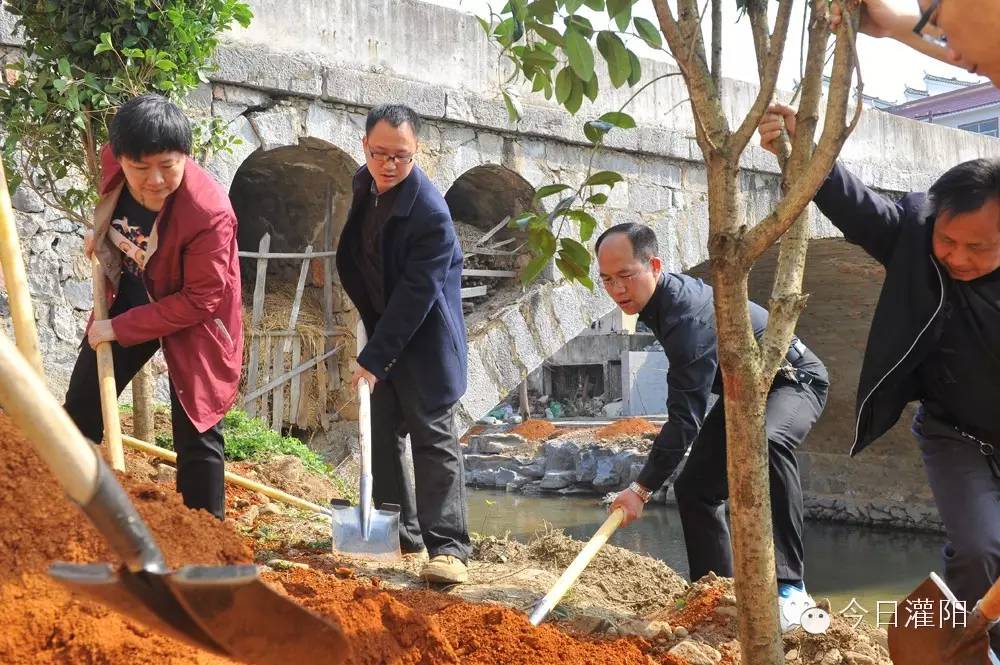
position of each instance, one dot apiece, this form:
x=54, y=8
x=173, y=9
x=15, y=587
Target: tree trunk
x=745, y=403
x=525, y=407
x=142, y=405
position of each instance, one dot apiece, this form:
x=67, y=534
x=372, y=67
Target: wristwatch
x=642, y=492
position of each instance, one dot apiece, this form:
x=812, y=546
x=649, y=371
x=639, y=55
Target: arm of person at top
x=895, y=19
x=865, y=217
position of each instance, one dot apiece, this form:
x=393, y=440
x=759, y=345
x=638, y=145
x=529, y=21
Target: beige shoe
x=445, y=569
x=420, y=556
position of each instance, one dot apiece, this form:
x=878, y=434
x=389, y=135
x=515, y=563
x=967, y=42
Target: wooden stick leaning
x=16, y=281
x=106, y=374
x=232, y=478
x=573, y=572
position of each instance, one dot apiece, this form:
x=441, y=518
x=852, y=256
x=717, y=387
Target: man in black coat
x=935, y=337
x=401, y=265
x=680, y=311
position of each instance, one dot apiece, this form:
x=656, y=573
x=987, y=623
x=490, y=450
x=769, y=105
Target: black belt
x=987, y=441
x=795, y=351
x=972, y=433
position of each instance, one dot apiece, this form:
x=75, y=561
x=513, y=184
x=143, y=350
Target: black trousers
x=702, y=487
x=967, y=494
x=433, y=511
x=200, y=455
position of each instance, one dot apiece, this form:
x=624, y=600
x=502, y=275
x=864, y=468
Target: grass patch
x=250, y=439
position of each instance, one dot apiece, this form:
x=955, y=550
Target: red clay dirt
x=534, y=430
x=45, y=624
x=627, y=427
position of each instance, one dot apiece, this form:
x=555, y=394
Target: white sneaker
x=792, y=602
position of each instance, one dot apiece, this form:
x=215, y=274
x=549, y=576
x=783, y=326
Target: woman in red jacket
x=165, y=234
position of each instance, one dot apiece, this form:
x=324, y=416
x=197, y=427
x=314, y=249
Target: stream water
x=843, y=563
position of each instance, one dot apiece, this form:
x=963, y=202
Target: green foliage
x=250, y=439
x=560, y=53
x=82, y=61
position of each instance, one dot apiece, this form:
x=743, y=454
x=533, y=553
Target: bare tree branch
x=741, y=137
x=717, y=44
x=767, y=232
x=787, y=301
x=757, y=13
x=711, y=127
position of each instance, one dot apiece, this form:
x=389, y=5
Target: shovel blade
x=143, y=597
x=923, y=639
x=254, y=622
x=382, y=542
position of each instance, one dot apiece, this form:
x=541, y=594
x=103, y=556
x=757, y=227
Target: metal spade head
x=928, y=622
x=379, y=541
x=227, y=610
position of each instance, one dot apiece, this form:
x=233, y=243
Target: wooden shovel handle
x=990, y=604
x=16, y=282
x=58, y=442
x=106, y=374
x=232, y=478
x=575, y=569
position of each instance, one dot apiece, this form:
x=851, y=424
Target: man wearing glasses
x=401, y=265
x=680, y=311
x=963, y=33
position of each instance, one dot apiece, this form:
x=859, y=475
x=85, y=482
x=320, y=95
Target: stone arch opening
x=300, y=195
x=487, y=193
x=479, y=200
x=284, y=192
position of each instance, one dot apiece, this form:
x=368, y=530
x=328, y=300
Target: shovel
x=575, y=569
x=932, y=629
x=106, y=374
x=16, y=281
x=363, y=531
x=227, y=610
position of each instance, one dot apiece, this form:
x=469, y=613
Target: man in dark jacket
x=935, y=337
x=165, y=234
x=400, y=263
x=680, y=311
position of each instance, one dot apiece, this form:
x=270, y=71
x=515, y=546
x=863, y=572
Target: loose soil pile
x=42, y=622
x=534, y=430
x=45, y=624
x=629, y=427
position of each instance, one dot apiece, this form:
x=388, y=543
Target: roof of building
x=954, y=101
x=949, y=79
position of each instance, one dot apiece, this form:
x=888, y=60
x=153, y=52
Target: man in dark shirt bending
x=680, y=311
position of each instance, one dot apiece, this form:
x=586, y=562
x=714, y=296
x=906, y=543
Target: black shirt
x=960, y=377
x=131, y=225
x=378, y=210
x=681, y=313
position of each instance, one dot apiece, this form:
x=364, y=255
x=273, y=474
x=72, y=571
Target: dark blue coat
x=422, y=324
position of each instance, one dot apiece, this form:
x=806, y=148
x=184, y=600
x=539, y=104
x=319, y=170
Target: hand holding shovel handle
x=106, y=374
x=575, y=569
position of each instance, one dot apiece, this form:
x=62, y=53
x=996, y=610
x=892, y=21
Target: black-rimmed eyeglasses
x=925, y=20
x=384, y=157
